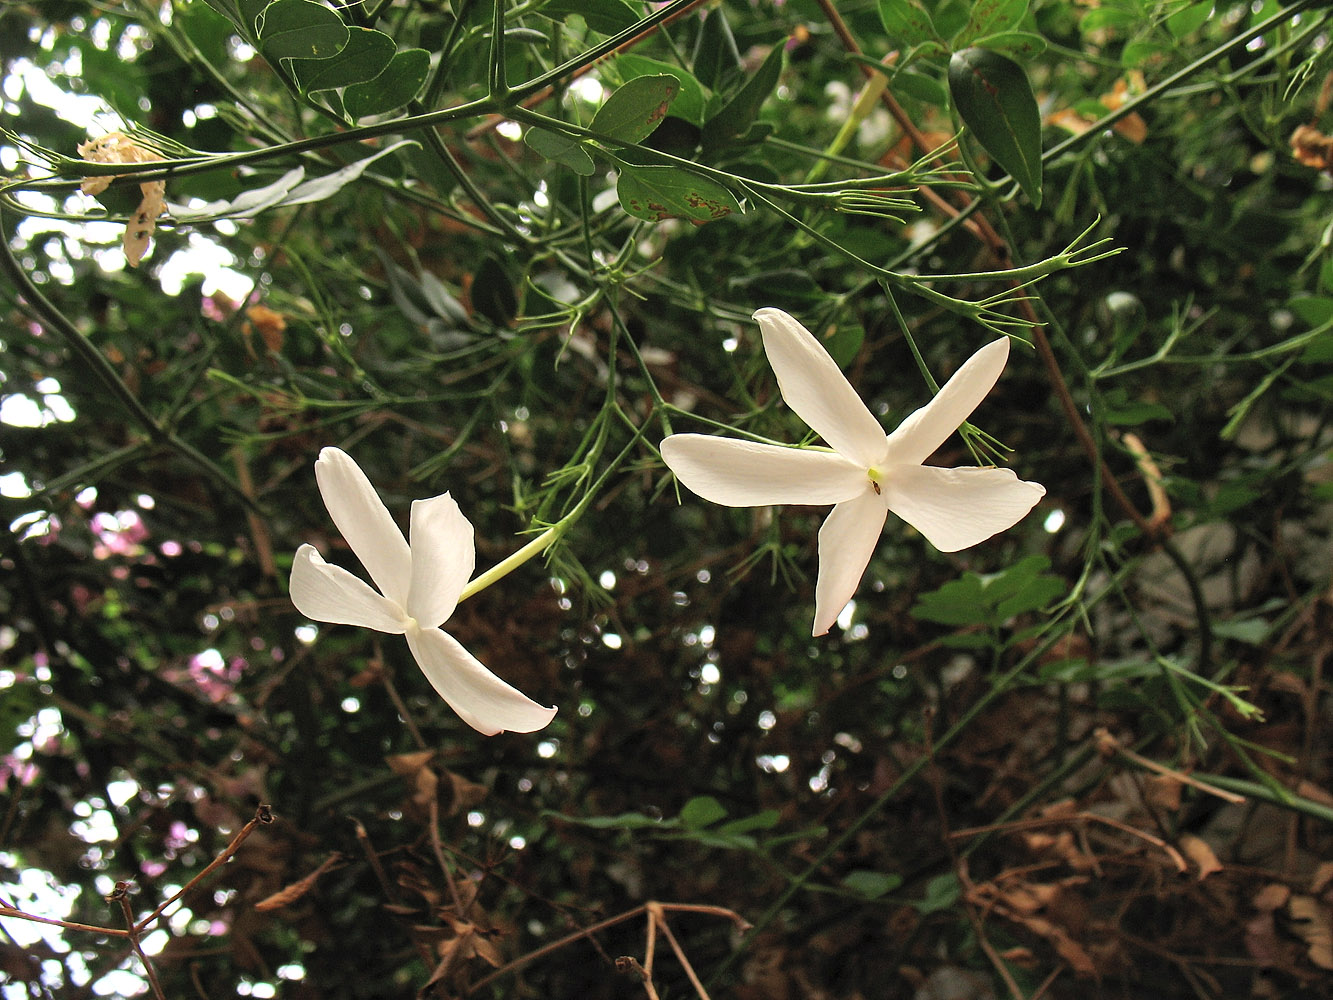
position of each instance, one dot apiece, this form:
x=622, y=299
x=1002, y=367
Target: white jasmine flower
x=866, y=473
x=419, y=587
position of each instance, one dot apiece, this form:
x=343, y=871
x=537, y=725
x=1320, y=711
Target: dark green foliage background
x=429, y=332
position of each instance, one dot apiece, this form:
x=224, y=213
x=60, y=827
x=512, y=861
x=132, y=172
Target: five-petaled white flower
x=867, y=473
x=419, y=588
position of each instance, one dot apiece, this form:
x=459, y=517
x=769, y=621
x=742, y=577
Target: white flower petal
x=814, y=386
x=956, y=508
x=920, y=434
x=846, y=542
x=443, y=557
x=481, y=699
x=365, y=522
x=749, y=474
x=327, y=593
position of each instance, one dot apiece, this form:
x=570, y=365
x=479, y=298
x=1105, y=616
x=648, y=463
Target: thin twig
x=601, y=925
x=658, y=917
x=121, y=893
x=1108, y=744
x=263, y=816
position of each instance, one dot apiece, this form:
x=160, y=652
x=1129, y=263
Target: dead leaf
x=1162, y=791
x=290, y=894
x=409, y=763
x=1311, y=922
x=268, y=323
x=1311, y=147
x=117, y=147
x=1270, y=897
x=1321, y=878
x=1198, y=851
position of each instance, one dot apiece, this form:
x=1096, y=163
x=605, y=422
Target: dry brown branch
x=718, y=911
x=1108, y=745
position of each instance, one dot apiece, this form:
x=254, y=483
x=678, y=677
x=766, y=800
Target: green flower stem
x=1282, y=797
x=506, y=566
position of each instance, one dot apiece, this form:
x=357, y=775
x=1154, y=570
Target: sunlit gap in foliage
x=201, y=257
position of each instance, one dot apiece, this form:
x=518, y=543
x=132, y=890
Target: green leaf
x=716, y=60
x=563, y=149
x=493, y=294
x=1022, y=44
x=1313, y=310
x=607, y=17
x=702, y=811
x=990, y=17
x=623, y=821
x=921, y=87
x=1143, y=51
x=363, y=58
x=300, y=29
x=636, y=109
x=870, y=884
x=242, y=13
x=765, y=820
x=395, y=86
x=844, y=343
x=908, y=23
x=689, y=103
x=992, y=600
x=994, y=99
x=941, y=893
x=958, y=602
x=1127, y=412
x=1251, y=631
x=736, y=117
x=657, y=193
x=1190, y=18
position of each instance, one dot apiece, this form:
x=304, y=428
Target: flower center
x=876, y=480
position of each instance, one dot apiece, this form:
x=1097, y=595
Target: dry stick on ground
x=1107, y=745
x=717, y=911
x=1079, y=819
x=959, y=864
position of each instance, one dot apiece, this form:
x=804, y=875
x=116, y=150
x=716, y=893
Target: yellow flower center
x=876, y=480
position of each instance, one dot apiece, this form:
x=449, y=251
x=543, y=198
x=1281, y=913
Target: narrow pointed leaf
x=323, y=187
x=242, y=13
x=395, y=86
x=657, y=193
x=634, y=111
x=740, y=112
x=563, y=149
x=993, y=97
x=300, y=29
x=717, y=61
x=607, y=17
